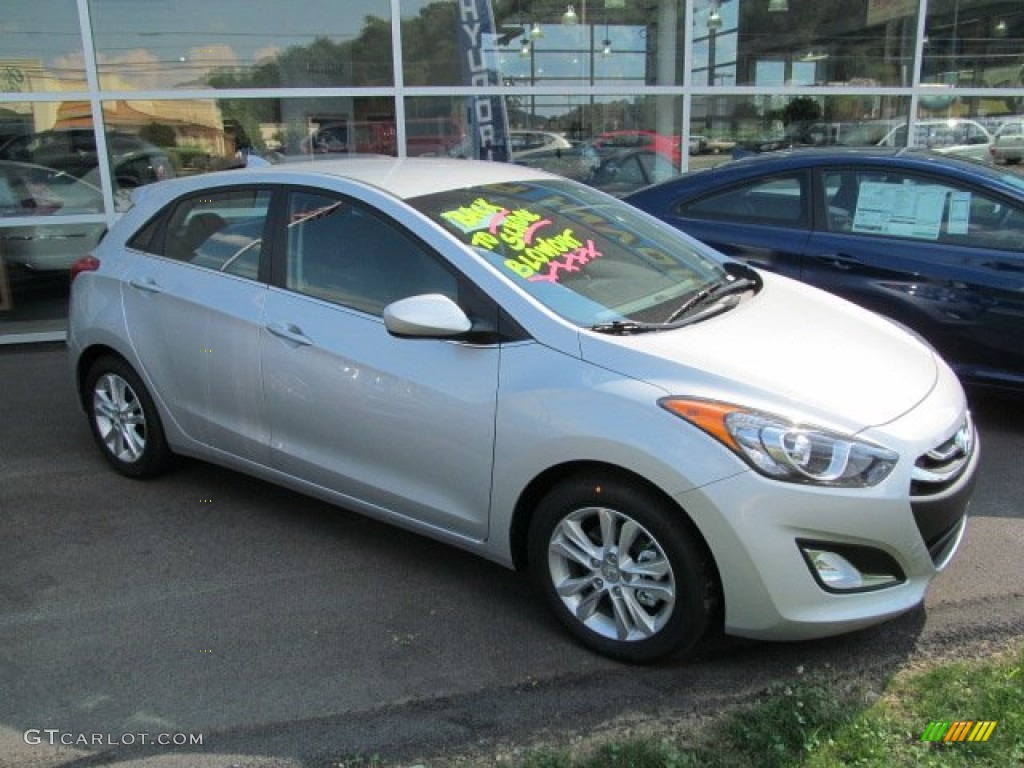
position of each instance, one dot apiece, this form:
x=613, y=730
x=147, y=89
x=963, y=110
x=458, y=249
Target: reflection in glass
x=737, y=42
x=201, y=135
x=610, y=43
x=973, y=44
x=40, y=49
x=743, y=124
x=615, y=141
x=239, y=44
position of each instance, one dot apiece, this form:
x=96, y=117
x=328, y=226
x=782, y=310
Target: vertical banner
x=487, y=120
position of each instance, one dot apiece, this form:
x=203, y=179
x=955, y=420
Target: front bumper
x=754, y=527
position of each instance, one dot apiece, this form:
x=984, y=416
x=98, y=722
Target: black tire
x=647, y=561
x=123, y=419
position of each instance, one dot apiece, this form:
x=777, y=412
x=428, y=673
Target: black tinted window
x=781, y=200
x=341, y=252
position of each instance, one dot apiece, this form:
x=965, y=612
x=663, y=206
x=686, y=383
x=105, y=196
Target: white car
x=529, y=369
x=954, y=136
x=1007, y=145
x=28, y=190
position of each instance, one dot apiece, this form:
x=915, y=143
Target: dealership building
x=98, y=97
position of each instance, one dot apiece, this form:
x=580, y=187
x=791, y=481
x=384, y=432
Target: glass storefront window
x=787, y=43
x=182, y=137
x=738, y=125
x=542, y=43
x=40, y=51
x=595, y=90
x=975, y=44
x=613, y=142
x=242, y=44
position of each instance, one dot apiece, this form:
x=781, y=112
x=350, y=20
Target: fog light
x=850, y=568
x=835, y=571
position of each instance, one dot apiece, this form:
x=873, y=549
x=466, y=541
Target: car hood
x=792, y=350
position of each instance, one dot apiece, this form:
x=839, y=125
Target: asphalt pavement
x=137, y=618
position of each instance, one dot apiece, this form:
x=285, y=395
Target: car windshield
x=593, y=260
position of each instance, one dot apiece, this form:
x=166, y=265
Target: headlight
x=784, y=450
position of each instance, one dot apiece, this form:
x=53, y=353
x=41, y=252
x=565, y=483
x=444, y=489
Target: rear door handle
x=290, y=332
x=147, y=284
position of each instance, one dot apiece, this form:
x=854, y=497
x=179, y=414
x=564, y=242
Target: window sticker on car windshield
x=903, y=210
x=542, y=252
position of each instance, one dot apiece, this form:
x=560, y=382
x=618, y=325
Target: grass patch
x=820, y=720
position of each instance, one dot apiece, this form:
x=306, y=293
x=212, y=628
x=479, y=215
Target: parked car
x=962, y=137
x=349, y=137
x=670, y=146
x=698, y=144
x=522, y=143
x=1007, y=145
x=34, y=191
x=627, y=170
x=527, y=368
x=134, y=161
x=577, y=163
x=933, y=242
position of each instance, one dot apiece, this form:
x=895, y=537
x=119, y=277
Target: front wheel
x=622, y=568
x=124, y=420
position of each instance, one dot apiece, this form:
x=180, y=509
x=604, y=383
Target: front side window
x=220, y=230
x=339, y=251
x=904, y=205
x=777, y=201
x=591, y=259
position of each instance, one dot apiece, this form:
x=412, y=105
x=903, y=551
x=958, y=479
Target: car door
x=194, y=308
x=763, y=221
x=405, y=426
x=941, y=256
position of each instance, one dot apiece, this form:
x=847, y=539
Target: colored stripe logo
x=959, y=730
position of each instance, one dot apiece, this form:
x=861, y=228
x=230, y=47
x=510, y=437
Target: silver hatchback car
x=529, y=369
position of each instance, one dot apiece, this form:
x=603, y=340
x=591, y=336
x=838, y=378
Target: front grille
x=938, y=493
x=942, y=466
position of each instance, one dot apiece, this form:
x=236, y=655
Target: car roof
x=404, y=178
x=785, y=160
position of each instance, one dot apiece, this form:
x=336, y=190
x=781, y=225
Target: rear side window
x=220, y=230
x=778, y=201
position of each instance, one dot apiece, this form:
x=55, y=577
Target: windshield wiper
x=714, y=291
x=626, y=328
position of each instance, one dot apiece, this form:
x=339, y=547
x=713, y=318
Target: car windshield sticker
x=542, y=252
x=903, y=210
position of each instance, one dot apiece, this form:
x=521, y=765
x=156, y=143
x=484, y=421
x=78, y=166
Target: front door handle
x=290, y=332
x=839, y=260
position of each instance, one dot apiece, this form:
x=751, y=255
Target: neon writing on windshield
x=538, y=257
x=571, y=263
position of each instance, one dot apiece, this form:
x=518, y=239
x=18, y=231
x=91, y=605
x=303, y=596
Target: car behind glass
x=666, y=440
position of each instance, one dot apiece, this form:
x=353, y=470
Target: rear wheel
x=124, y=420
x=621, y=567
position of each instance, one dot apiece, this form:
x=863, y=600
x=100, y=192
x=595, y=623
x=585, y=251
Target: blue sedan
x=932, y=242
